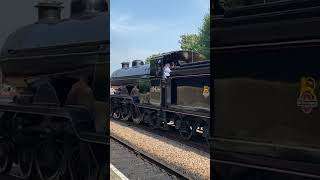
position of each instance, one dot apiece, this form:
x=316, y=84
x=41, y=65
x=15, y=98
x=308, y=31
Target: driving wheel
x=186, y=129
x=83, y=165
x=49, y=159
x=136, y=115
x=25, y=159
x=5, y=156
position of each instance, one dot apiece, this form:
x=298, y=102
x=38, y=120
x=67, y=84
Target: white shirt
x=112, y=91
x=166, y=71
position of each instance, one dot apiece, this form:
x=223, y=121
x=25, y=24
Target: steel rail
x=149, y=158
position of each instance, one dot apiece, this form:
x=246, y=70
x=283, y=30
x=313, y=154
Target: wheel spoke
x=5, y=157
x=125, y=114
x=206, y=133
x=186, y=130
x=153, y=121
x=49, y=160
x=136, y=116
x=25, y=162
x=116, y=114
x=81, y=167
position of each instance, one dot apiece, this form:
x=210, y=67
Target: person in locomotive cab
x=112, y=91
x=166, y=71
x=172, y=65
x=134, y=91
x=117, y=91
x=135, y=94
x=123, y=90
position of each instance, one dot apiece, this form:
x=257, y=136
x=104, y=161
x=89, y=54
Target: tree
x=190, y=42
x=198, y=42
x=147, y=61
x=204, y=37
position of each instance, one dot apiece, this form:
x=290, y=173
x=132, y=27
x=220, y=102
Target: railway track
x=197, y=142
x=160, y=170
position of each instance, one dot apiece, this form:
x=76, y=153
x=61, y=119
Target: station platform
x=115, y=174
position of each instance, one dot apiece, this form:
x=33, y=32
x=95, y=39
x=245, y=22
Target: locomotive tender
x=266, y=86
x=53, y=120
x=182, y=100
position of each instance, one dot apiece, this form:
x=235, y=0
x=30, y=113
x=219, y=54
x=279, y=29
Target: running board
x=93, y=137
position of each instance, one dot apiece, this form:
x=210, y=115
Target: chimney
x=137, y=63
x=49, y=11
x=125, y=65
x=87, y=7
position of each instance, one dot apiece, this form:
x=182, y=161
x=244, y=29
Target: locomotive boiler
x=181, y=100
x=266, y=86
x=53, y=106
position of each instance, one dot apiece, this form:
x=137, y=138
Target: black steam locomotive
x=181, y=99
x=266, y=86
x=52, y=108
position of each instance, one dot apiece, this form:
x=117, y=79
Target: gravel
x=190, y=161
x=133, y=166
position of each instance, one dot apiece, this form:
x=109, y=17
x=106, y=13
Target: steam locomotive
x=266, y=86
x=181, y=100
x=52, y=108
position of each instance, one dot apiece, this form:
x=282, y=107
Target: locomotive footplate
x=94, y=138
x=203, y=113
x=178, y=109
x=148, y=106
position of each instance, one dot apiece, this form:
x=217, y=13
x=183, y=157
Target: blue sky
x=144, y=27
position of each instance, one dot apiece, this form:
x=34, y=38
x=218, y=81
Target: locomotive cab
x=176, y=59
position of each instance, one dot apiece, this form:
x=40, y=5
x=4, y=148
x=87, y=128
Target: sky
x=144, y=27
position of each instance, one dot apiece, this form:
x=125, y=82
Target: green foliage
x=190, y=42
x=198, y=42
x=147, y=61
x=204, y=37
x=144, y=86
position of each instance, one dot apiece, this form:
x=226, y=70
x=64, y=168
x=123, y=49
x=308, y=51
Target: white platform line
x=115, y=170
